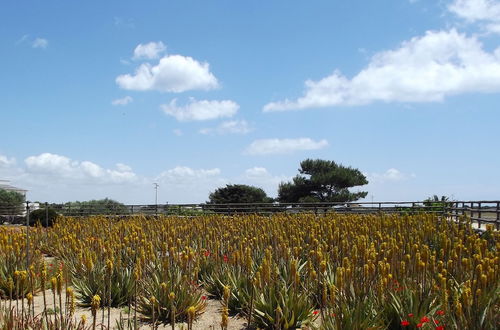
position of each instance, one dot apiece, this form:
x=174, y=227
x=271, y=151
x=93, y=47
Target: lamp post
x=27, y=235
x=156, y=185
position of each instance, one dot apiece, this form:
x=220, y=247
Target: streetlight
x=156, y=185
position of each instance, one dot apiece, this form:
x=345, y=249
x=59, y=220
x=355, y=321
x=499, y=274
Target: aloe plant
x=363, y=313
x=279, y=306
x=93, y=283
x=168, y=296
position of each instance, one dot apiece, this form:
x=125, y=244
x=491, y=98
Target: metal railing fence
x=481, y=212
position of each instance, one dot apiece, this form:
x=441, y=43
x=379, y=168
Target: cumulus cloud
x=57, y=178
x=122, y=22
x=188, y=185
x=64, y=168
x=201, y=110
x=122, y=101
x=391, y=175
x=229, y=127
x=424, y=69
x=283, y=146
x=486, y=12
x=182, y=174
x=40, y=43
x=50, y=163
x=173, y=73
x=34, y=43
x=149, y=51
x=6, y=161
x=257, y=172
x=261, y=177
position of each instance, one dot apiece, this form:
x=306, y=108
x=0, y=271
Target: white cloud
x=123, y=101
x=56, y=178
x=424, y=69
x=173, y=73
x=180, y=174
x=151, y=50
x=261, y=177
x=22, y=39
x=201, y=110
x=229, y=127
x=91, y=169
x=391, y=175
x=6, y=161
x=40, y=43
x=123, y=167
x=486, y=12
x=63, y=168
x=122, y=22
x=121, y=174
x=257, y=172
x=50, y=163
x=283, y=146
x=177, y=132
x=34, y=43
x=187, y=185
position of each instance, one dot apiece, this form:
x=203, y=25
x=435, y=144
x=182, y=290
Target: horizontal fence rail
x=480, y=212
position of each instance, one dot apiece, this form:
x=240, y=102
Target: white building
x=5, y=185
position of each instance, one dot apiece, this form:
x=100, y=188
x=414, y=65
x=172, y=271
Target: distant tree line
x=96, y=206
x=11, y=202
x=318, y=181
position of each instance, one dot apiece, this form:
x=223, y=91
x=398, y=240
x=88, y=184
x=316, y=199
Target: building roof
x=4, y=184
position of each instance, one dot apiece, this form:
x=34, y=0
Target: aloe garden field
x=235, y=272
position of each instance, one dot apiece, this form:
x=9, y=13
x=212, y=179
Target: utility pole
x=156, y=185
x=27, y=236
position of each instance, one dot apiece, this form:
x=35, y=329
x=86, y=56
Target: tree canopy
x=11, y=202
x=40, y=216
x=238, y=193
x=322, y=181
x=436, y=201
x=100, y=206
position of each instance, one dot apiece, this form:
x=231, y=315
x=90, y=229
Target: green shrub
x=40, y=216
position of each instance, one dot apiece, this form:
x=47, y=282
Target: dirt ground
x=209, y=320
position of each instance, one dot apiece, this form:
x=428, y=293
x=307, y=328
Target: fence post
x=27, y=235
x=498, y=216
x=479, y=214
x=46, y=215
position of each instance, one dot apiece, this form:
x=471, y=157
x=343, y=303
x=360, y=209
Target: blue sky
x=103, y=98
